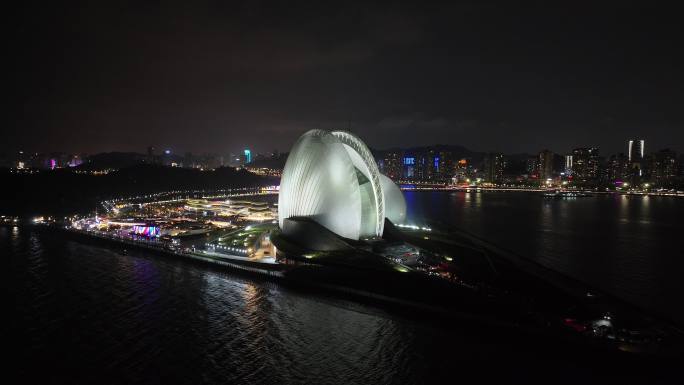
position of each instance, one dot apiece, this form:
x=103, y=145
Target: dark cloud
x=220, y=76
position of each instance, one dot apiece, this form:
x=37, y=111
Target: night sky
x=221, y=76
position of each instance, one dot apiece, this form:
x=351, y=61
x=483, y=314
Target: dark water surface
x=84, y=313
x=629, y=246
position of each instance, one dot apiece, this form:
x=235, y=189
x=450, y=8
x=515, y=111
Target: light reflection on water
x=88, y=314
x=629, y=246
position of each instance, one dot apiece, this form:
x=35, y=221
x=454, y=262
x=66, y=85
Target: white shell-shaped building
x=332, y=178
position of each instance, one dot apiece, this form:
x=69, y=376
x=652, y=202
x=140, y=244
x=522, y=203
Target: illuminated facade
x=635, y=150
x=494, y=167
x=332, y=178
x=545, y=165
x=585, y=164
x=146, y=231
x=243, y=210
x=568, y=164
x=635, y=156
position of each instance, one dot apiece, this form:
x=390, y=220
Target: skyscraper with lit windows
x=585, y=164
x=494, y=167
x=545, y=165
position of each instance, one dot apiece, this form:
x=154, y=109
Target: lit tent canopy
x=332, y=178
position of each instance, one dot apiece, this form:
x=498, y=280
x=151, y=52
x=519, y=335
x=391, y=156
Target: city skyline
x=585, y=167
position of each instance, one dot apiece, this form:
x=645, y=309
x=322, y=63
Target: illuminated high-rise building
x=617, y=168
x=431, y=165
x=409, y=166
x=663, y=166
x=391, y=164
x=585, y=164
x=532, y=167
x=248, y=156
x=545, y=165
x=494, y=167
x=568, y=164
x=446, y=165
x=635, y=157
x=460, y=171
x=635, y=150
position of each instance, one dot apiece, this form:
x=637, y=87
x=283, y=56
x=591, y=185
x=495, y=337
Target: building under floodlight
x=331, y=178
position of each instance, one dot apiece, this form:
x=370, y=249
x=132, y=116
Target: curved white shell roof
x=332, y=178
x=395, y=204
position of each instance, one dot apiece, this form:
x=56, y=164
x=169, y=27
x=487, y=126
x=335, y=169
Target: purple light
x=146, y=231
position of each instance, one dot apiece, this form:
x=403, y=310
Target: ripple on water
x=88, y=314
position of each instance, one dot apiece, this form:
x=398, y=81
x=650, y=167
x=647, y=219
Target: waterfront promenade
x=441, y=187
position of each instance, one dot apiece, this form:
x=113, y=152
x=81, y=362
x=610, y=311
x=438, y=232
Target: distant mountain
x=63, y=191
x=113, y=160
x=274, y=163
x=519, y=157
